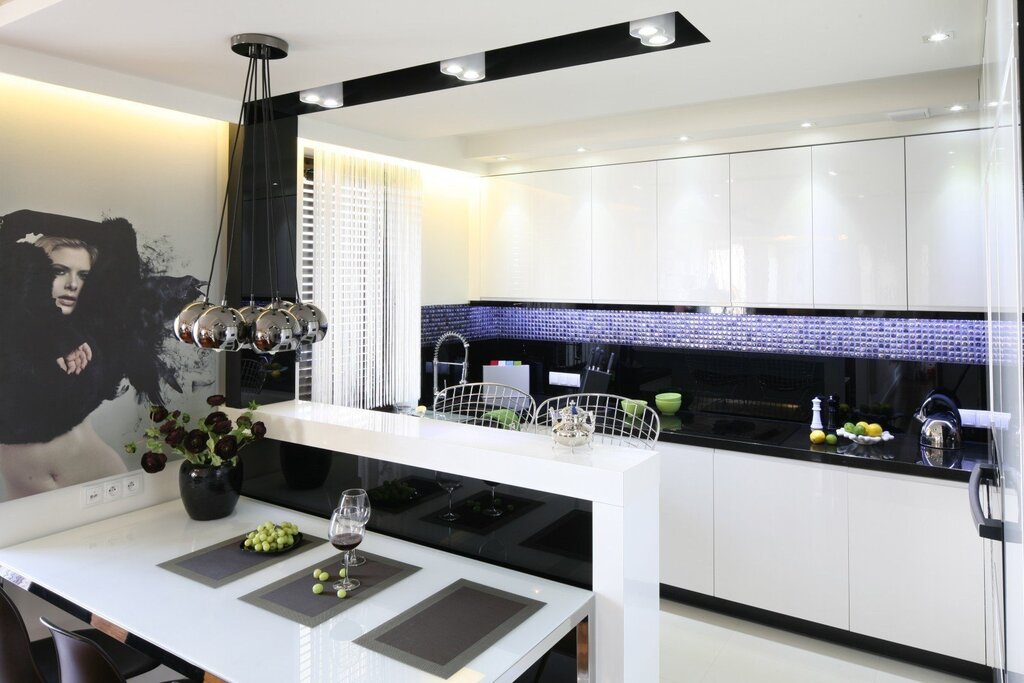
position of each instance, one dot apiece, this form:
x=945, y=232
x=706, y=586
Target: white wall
x=90, y=156
x=450, y=218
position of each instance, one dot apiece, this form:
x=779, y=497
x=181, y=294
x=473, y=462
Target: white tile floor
x=704, y=647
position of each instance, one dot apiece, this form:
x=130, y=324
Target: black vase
x=209, y=492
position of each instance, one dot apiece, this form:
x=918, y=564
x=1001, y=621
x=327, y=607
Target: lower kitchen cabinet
x=917, y=565
x=781, y=536
x=687, y=517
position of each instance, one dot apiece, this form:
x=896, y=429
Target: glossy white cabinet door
x=771, y=228
x=687, y=517
x=945, y=223
x=860, y=232
x=560, y=217
x=781, y=536
x=916, y=564
x=506, y=252
x=625, y=233
x=693, y=231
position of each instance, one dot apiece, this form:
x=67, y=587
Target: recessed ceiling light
x=938, y=36
x=956, y=108
x=807, y=124
x=994, y=103
x=655, y=31
x=684, y=138
x=832, y=173
x=502, y=158
x=469, y=68
x=581, y=149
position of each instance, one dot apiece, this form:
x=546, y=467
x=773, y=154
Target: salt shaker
x=816, y=413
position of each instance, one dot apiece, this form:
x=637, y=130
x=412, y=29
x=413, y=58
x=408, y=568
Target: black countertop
x=781, y=439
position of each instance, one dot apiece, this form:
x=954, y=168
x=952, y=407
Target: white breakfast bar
x=106, y=572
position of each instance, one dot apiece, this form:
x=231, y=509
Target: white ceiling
x=756, y=47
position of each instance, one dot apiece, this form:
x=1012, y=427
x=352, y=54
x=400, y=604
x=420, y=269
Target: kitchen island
x=621, y=484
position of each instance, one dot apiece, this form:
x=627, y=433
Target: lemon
x=874, y=429
x=862, y=424
x=817, y=436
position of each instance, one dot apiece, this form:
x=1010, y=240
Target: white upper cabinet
x=860, y=235
x=560, y=210
x=693, y=231
x=506, y=249
x=771, y=228
x=625, y=233
x=945, y=225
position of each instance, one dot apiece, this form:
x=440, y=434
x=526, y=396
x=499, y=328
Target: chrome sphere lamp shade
x=279, y=326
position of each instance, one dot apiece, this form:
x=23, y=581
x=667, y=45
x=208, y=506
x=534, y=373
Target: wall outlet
x=92, y=494
x=112, y=490
x=132, y=484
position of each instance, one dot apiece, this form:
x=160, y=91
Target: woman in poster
x=85, y=322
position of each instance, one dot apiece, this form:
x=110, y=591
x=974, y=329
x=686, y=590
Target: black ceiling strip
x=573, y=49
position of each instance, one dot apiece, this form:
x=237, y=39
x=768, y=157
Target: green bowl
x=668, y=403
x=633, y=406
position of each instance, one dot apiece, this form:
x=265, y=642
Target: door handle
x=987, y=527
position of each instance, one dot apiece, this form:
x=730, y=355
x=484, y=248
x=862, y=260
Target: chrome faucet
x=465, y=357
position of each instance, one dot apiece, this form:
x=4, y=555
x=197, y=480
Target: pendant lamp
x=281, y=325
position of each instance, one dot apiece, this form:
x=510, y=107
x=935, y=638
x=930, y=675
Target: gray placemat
x=293, y=598
x=224, y=562
x=443, y=633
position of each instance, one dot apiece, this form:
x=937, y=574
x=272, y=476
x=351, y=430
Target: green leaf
x=130, y=447
x=186, y=418
x=153, y=433
x=253, y=405
x=152, y=444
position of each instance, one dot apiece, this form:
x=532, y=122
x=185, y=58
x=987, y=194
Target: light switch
x=92, y=494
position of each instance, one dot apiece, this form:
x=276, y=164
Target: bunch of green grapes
x=269, y=537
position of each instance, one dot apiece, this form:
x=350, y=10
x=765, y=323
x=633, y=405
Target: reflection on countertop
x=790, y=440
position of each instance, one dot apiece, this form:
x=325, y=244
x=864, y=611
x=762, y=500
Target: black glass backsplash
x=539, y=533
x=735, y=385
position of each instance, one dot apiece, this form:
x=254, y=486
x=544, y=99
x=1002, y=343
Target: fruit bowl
x=864, y=438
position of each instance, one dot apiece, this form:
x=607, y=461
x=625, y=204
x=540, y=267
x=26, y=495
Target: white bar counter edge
x=623, y=484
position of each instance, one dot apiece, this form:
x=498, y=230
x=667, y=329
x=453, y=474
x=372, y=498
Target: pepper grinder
x=816, y=413
x=832, y=416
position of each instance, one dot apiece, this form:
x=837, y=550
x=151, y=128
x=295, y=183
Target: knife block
x=595, y=382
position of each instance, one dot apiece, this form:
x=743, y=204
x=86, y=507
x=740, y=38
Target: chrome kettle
x=940, y=422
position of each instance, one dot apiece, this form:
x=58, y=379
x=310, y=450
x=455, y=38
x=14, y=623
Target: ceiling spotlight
x=937, y=37
x=807, y=124
x=468, y=68
x=956, y=107
x=581, y=149
x=502, y=158
x=684, y=138
x=654, y=31
x=993, y=103
x=326, y=96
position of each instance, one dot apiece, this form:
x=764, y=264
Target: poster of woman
x=88, y=319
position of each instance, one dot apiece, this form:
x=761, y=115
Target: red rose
x=258, y=429
x=153, y=462
x=216, y=400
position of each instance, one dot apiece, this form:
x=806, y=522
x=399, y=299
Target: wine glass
x=346, y=532
x=492, y=511
x=358, y=503
x=449, y=482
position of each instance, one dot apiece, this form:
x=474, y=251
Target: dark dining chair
x=82, y=660
x=26, y=661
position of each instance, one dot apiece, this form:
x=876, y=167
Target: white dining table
x=107, y=573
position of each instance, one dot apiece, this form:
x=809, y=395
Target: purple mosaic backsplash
x=913, y=339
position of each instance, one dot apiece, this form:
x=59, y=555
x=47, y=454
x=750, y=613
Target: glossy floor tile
x=698, y=646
